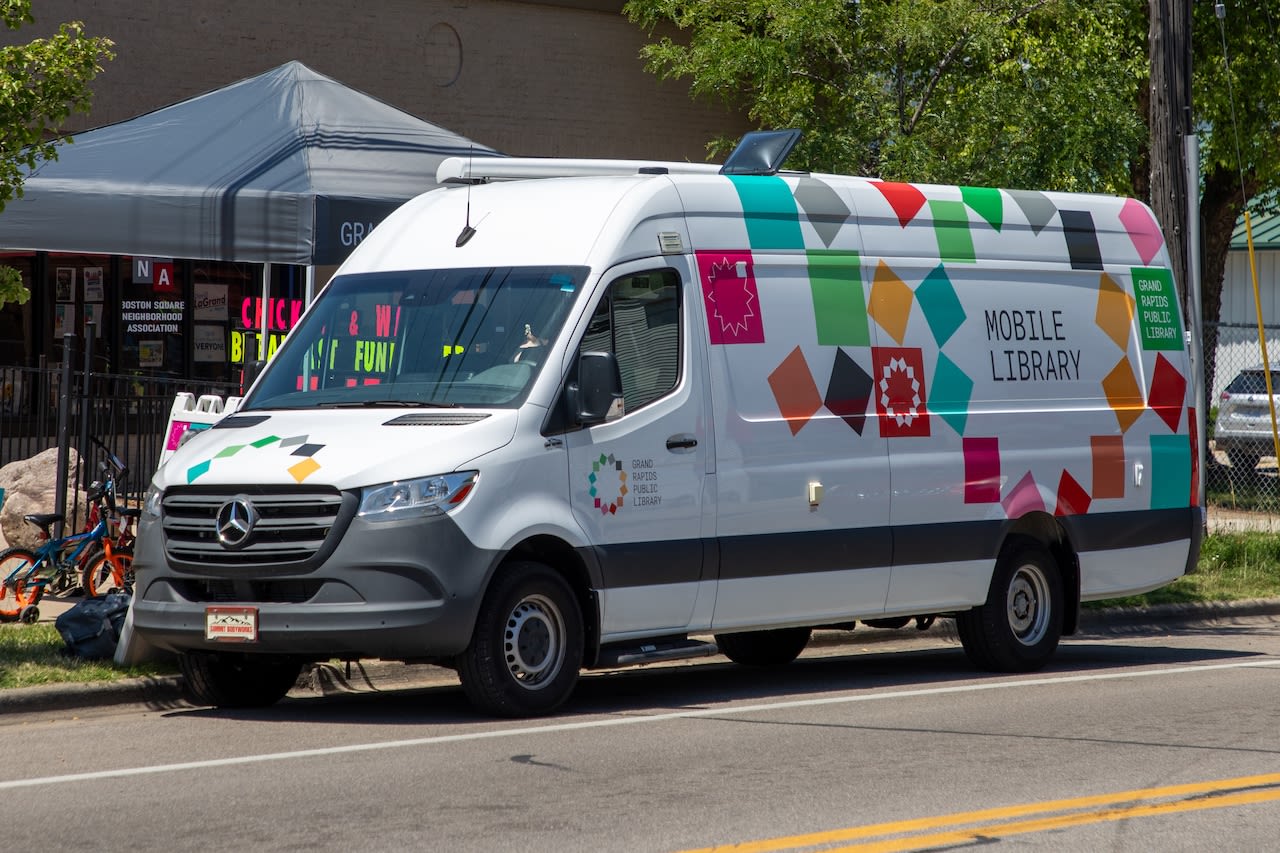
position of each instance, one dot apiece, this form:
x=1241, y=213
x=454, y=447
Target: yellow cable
x=1262, y=337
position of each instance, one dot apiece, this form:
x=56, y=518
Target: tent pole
x=310, y=292
x=266, y=299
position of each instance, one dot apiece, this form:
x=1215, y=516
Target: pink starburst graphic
x=900, y=391
x=731, y=298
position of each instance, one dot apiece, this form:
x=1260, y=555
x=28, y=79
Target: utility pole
x=1169, y=49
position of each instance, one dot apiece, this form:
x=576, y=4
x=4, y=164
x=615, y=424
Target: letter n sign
x=154, y=271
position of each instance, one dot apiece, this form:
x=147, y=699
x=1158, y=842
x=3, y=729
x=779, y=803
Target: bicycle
x=27, y=574
x=111, y=569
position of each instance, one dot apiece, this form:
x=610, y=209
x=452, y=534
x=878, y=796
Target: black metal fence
x=59, y=407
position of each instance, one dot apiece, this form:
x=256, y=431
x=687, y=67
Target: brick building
x=527, y=78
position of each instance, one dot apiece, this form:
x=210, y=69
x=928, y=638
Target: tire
x=233, y=680
x=21, y=594
x=527, y=647
x=764, y=648
x=1019, y=626
x=98, y=577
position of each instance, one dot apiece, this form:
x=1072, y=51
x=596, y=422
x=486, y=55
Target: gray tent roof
x=265, y=170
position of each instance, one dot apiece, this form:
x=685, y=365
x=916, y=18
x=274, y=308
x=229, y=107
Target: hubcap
x=1028, y=604
x=534, y=642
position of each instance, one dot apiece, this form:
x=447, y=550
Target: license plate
x=231, y=624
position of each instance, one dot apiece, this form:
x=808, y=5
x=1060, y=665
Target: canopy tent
x=289, y=167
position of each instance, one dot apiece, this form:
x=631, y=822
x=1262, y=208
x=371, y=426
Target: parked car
x=1243, y=428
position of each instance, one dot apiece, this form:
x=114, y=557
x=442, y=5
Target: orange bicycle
x=110, y=568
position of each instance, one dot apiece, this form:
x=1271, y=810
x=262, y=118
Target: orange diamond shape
x=890, y=302
x=796, y=392
x=1115, y=311
x=1124, y=394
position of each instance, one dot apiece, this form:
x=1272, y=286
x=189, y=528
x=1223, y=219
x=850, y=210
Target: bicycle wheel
x=16, y=592
x=102, y=575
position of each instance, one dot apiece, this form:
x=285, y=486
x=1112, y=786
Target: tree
x=41, y=84
x=1015, y=93
x=1239, y=131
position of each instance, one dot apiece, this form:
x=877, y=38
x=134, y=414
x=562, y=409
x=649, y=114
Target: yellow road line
x=989, y=817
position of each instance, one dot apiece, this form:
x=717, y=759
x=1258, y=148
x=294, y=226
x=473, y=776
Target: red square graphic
x=730, y=295
x=981, y=470
x=899, y=390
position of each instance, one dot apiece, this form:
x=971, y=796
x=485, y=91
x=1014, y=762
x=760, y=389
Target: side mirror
x=250, y=373
x=598, y=391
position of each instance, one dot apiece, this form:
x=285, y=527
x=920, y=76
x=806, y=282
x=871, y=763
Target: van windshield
x=458, y=337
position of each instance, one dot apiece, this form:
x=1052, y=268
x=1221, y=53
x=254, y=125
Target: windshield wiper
x=391, y=404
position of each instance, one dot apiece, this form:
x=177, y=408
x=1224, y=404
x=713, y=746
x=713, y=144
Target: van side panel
x=948, y=363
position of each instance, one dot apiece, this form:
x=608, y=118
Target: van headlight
x=413, y=498
x=151, y=502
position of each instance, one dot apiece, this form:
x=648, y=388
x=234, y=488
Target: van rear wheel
x=764, y=648
x=526, y=651
x=1019, y=626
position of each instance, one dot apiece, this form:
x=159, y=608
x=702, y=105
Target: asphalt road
x=1158, y=738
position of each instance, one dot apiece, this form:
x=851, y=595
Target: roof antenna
x=467, y=231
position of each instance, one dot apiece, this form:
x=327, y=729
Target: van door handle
x=683, y=441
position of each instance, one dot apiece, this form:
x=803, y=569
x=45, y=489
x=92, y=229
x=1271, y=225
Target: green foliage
x=42, y=83
x=31, y=655
x=1016, y=93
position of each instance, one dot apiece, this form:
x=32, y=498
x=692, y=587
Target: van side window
x=638, y=320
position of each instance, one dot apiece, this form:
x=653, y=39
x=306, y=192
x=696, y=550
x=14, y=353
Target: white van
x=580, y=414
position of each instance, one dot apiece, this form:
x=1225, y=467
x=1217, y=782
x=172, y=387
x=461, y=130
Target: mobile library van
x=573, y=414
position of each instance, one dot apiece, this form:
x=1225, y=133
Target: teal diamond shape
x=949, y=395
x=941, y=306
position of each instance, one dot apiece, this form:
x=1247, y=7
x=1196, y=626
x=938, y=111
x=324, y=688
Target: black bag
x=91, y=629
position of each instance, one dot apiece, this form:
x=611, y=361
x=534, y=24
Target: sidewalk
x=372, y=676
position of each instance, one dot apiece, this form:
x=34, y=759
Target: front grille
x=291, y=527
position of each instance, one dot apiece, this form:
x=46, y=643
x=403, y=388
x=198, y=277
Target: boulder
x=30, y=485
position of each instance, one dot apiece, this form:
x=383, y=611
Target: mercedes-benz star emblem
x=235, y=522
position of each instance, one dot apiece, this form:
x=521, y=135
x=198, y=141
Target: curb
x=160, y=693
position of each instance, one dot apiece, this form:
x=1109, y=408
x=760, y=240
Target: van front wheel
x=1018, y=628
x=526, y=650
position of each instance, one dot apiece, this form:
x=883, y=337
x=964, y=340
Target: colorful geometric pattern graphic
x=1143, y=230
x=949, y=394
x=951, y=225
x=839, y=304
x=891, y=300
x=987, y=202
x=825, y=209
x=1082, y=239
x=1170, y=471
x=732, y=299
x=1035, y=206
x=1123, y=394
x=1072, y=497
x=1023, y=498
x=941, y=305
x=900, y=391
x=770, y=212
x=605, y=472
x=905, y=199
x=1168, y=392
x=849, y=391
x=1108, y=466
x=981, y=470
x=1115, y=311
x=794, y=390
x=299, y=471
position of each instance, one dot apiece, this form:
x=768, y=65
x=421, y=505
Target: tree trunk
x=1220, y=206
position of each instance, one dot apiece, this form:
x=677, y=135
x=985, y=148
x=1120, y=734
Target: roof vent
x=761, y=152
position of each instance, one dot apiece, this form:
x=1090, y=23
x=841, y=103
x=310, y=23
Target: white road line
x=732, y=710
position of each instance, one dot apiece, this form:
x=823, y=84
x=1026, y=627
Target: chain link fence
x=1242, y=472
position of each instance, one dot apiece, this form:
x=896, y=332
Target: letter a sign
x=157, y=272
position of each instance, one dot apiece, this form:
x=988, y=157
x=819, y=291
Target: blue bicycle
x=58, y=563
